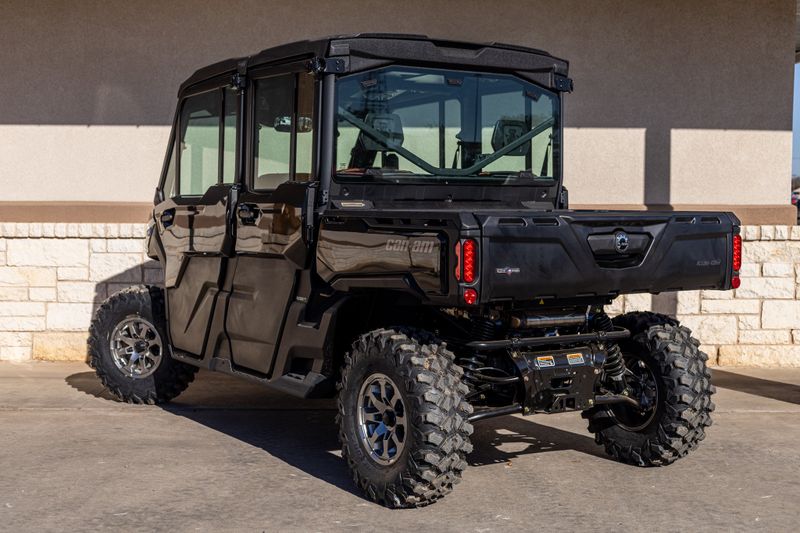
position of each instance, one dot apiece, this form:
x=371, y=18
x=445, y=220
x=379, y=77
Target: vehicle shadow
x=304, y=434
x=767, y=388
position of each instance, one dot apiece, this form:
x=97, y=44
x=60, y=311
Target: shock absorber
x=471, y=364
x=614, y=366
x=483, y=329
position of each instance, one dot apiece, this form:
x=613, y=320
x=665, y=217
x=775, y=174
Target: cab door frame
x=273, y=242
x=203, y=257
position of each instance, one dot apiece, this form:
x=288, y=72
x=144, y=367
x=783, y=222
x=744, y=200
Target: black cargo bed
x=568, y=254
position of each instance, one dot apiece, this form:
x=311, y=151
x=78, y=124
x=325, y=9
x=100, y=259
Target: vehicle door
x=270, y=246
x=193, y=220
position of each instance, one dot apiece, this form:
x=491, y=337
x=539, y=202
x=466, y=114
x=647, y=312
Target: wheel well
x=365, y=312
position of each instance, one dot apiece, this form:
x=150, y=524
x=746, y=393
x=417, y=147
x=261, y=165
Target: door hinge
x=562, y=83
x=563, y=200
x=310, y=211
x=238, y=82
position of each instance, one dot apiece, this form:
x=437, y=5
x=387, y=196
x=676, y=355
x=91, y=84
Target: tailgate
x=575, y=254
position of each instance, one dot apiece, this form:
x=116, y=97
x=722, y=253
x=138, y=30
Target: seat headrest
x=388, y=125
x=506, y=131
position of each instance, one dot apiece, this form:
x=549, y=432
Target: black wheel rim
x=643, y=387
x=382, y=419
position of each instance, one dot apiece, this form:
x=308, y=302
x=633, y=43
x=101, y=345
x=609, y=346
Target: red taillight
x=470, y=249
x=736, y=282
x=470, y=296
x=458, y=261
x=737, y=253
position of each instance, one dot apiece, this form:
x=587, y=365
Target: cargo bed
x=567, y=254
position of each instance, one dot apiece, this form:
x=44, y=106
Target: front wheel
x=667, y=374
x=403, y=418
x=128, y=348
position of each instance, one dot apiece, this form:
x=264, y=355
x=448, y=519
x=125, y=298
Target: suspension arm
x=606, y=399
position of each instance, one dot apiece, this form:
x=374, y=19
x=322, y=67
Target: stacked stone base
x=53, y=277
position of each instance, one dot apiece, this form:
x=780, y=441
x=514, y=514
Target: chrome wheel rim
x=136, y=347
x=382, y=419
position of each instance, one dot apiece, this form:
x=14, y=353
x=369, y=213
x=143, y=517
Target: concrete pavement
x=228, y=455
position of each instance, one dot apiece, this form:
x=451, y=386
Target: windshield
x=417, y=125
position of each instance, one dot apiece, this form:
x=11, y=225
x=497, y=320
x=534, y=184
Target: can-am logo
x=621, y=242
x=416, y=247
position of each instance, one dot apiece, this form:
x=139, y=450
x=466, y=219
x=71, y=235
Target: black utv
x=382, y=218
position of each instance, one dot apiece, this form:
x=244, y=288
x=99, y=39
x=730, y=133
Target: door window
x=229, y=136
x=304, y=152
x=169, y=174
x=284, y=129
x=199, y=164
x=207, y=142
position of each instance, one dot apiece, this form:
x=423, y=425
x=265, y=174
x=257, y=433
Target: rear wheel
x=667, y=374
x=128, y=348
x=403, y=418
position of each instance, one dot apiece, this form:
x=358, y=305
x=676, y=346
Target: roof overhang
x=359, y=52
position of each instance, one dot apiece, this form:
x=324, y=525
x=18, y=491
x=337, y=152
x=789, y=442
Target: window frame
x=554, y=152
x=220, y=84
x=296, y=69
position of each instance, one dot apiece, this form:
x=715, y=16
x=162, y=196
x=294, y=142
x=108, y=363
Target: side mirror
x=304, y=124
x=283, y=124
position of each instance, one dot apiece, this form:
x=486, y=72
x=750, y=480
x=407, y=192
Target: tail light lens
x=470, y=253
x=736, y=259
x=458, y=260
x=470, y=296
x=737, y=253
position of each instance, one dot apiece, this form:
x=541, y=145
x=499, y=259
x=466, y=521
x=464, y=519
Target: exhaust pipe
x=531, y=321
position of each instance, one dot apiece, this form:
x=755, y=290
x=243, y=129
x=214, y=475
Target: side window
x=304, y=152
x=283, y=130
x=169, y=177
x=274, y=100
x=199, y=163
x=229, y=136
x=207, y=146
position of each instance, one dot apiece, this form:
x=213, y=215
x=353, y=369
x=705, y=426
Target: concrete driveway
x=228, y=455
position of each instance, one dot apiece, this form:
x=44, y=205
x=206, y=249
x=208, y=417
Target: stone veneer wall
x=53, y=276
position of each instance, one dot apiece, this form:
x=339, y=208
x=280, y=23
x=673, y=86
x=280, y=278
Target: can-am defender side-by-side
x=382, y=218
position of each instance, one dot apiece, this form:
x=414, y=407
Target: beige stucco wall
x=679, y=102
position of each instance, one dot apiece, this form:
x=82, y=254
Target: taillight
x=470, y=296
x=737, y=253
x=458, y=260
x=736, y=259
x=470, y=250
x=466, y=268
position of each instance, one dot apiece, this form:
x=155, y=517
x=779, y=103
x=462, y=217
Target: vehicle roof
x=417, y=48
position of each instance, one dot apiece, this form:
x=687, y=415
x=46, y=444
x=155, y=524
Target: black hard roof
x=416, y=48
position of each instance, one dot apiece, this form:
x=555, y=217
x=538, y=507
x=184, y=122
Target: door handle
x=248, y=213
x=168, y=217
